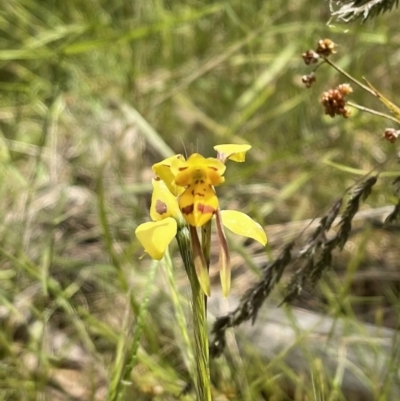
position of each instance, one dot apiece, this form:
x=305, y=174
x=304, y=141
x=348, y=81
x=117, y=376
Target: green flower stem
x=206, y=241
x=372, y=111
x=202, y=358
x=347, y=75
x=206, y=248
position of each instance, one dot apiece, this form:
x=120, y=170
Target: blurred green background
x=92, y=94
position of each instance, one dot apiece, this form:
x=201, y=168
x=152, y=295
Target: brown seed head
x=310, y=57
x=308, y=80
x=334, y=101
x=391, y=134
x=345, y=89
x=326, y=47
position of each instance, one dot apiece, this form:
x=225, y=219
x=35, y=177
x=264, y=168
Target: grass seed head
x=325, y=48
x=391, y=134
x=310, y=57
x=309, y=79
x=334, y=101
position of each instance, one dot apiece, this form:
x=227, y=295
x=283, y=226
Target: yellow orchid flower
x=184, y=191
x=198, y=176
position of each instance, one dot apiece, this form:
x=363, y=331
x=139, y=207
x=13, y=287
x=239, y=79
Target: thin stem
x=202, y=358
x=372, y=111
x=347, y=75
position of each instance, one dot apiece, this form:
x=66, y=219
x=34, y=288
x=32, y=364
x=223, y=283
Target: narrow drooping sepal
x=224, y=259
x=200, y=263
x=206, y=242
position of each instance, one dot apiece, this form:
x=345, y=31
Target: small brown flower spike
x=345, y=89
x=310, y=57
x=334, y=101
x=326, y=47
x=391, y=134
x=308, y=80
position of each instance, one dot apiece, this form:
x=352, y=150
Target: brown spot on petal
x=205, y=208
x=188, y=209
x=161, y=207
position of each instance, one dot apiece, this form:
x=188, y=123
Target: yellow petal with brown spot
x=163, y=203
x=198, y=203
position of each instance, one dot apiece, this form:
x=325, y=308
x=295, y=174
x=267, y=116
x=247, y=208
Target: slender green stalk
x=347, y=75
x=372, y=111
x=203, y=383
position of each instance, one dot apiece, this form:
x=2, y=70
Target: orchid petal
x=232, y=152
x=163, y=203
x=242, y=224
x=163, y=170
x=198, y=204
x=155, y=236
x=196, y=169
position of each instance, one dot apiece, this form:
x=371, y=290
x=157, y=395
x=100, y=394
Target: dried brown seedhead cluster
x=326, y=47
x=334, y=101
x=310, y=57
x=391, y=134
x=309, y=79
